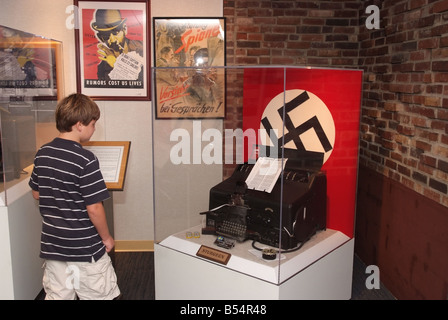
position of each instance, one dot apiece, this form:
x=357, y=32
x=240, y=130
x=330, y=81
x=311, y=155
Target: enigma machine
x=241, y=213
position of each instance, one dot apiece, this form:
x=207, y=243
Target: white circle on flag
x=302, y=114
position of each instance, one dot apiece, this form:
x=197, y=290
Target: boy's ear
x=78, y=126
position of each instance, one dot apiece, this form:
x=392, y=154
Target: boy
x=67, y=181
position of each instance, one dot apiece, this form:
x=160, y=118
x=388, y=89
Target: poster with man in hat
x=113, y=56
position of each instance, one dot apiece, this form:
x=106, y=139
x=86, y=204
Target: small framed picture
x=113, y=158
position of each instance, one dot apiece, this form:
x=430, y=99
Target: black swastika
x=295, y=132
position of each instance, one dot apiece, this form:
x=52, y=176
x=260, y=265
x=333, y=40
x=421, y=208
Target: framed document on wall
x=113, y=157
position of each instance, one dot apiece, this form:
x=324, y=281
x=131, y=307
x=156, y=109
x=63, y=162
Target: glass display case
x=30, y=83
x=255, y=172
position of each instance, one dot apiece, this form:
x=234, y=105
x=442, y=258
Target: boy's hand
x=109, y=243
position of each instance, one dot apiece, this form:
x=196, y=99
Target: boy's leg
x=58, y=281
x=97, y=280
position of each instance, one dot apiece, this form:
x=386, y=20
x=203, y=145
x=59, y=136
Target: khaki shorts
x=65, y=280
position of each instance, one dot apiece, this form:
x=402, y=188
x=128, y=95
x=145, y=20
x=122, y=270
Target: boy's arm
x=35, y=194
x=97, y=215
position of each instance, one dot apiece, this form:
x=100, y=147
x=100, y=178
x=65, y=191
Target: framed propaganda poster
x=112, y=49
x=30, y=66
x=189, y=56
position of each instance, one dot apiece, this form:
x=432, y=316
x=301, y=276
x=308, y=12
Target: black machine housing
x=269, y=218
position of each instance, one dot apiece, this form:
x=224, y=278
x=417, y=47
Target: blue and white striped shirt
x=68, y=178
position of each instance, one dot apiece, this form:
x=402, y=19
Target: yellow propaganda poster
x=189, y=76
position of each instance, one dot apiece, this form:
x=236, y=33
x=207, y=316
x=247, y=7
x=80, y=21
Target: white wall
x=120, y=120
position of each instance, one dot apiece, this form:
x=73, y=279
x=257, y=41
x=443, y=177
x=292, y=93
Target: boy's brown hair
x=76, y=107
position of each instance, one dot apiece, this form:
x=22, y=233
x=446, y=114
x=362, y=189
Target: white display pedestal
x=321, y=269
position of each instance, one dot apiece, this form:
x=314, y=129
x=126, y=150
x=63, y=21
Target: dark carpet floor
x=135, y=272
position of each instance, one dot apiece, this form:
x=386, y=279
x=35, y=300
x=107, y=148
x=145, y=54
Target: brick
x=409, y=46
x=418, y=55
x=308, y=29
x=419, y=122
x=241, y=36
x=337, y=22
x=440, y=77
x=426, y=21
x=321, y=13
x=399, y=58
x=440, y=66
x=246, y=60
x=254, y=37
x=248, y=28
x=389, y=135
x=419, y=177
x=329, y=53
x=444, y=139
x=439, y=30
x=299, y=45
x=390, y=164
x=428, y=160
x=289, y=20
x=440, y=6
x=437, y=185
x=428, y=43
x=440, y=54
x=346, y=45
x=393, y=106
x=425, y=169
x=313, y=37
x=389, y=145
x=441, y=151
x=288, y=30
x=404, y=170
x=442, y=165
x=248, y=44
x=432, y=102
x=258, y=52
x=313, y=22
x=438, y=125
x=283, y=60
x=444, y=41
x=275, y=37
x=435, y=89
x=442, y=114
x=405, y=88
x=422, y=66
x=425, y=146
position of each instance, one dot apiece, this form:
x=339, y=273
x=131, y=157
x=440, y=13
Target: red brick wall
x=405, y=107
x=316, y=33
x=404, y=124
x=404, y=137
